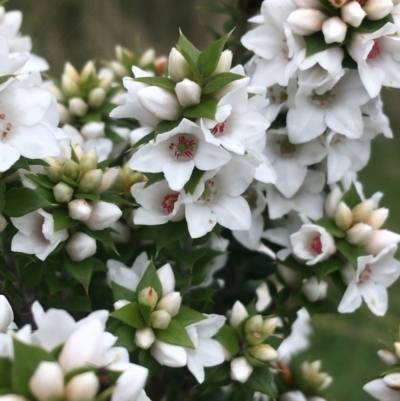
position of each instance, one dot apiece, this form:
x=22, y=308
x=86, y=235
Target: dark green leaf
x=146, y=139
x=328, y=7
x=220, y=80
x=350, y=252
x=261, y=380
x=205, y=109
x=166, y=126
x=351, y=198
x=185, y=45
x=2, y=201
x=41, y=180
x=69, y=181
x=62, y=220
x=5, y=373
x=146, y=312
x=146, y=360
x=116, y=199
x=126, y=338
x=330, y=226
x=196, y=74
x=161, y=82
x=103, y=236
x=120, y=292
x=110, y=134
x=170, y=232
x=194, y=180
x=150, y=279
x=227, y=336
x=80, y=271
x=315, y=43
x=368, y=26
x=92, y=197
x=57, y=284
x=130, y=315
x=31, y=274
x=188, y=316
x=175, y=334
x=296, y=266
x=326, y=267
x=153, y=178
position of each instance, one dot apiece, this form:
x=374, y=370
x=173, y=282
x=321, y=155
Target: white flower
x=374, y=274
x=238, y=313
x=305, y=22
x=188, y=93
x=241, y=369
x=82, y=387
x=81, y=246
x=6, y=314
x=47, y=382
x=103, y=215
x=314, y=290
x=334, y=30
x=379, y=390
x=36, y=234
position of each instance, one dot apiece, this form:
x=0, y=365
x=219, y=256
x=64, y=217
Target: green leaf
x=80, y=271
x=116, y=199
x=5, y=376
x=126, y=338
x=209, y=57
x=351, y=198
x=103, y=236
x=193, y=66
x=261, y=380
x=166, y=126
x=150, y=279
x=146, y=360
x=4, y=78
x=175, y=334
x=2, y=201
x=185, y=45
x=41, y=180
x=145, y=310
x=227, y=336
x=57, y=284
x=255, y=362
x=152, y=178
x=130, y=314
x=69, y=181
x=27, y=357
x=21, y=201
x=296, y=266
x=161, y=82
x=32, y=274
x=170, y=232
x=188, y=316
x=194, y=180
x=368, y=26
x=146, y=139
x=120, y=292
x=92, y=197
x=328, y=7
x=62, y=220
x=315, y=43
x=111, y=134
x=220, y=80
x=205, y=109
x=350, y=252
x=326, y=267
x=330, y=226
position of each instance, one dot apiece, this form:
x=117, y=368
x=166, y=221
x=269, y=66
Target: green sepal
x=175, y=334
x=62, y=220
x=228, y=337
x=120, y=292
x=130, y=314
x=188, y=316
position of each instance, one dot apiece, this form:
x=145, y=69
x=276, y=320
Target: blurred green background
x=79, y=30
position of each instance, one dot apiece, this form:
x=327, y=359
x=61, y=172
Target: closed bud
x=79, y=209
x=241, y=369
x=353, y=14
x=78, y=151
x=96, y=97
x=334, y=30
x=6, y=314
x=387, y=357
x=263, y=352
x=379, y=240
x=238, y=313
x=93, y=130
x=64, y=114
x=71, y=169
x=90, y=181
x=269, y=326
x=317, y=381
x=47, y=383
x=144, y=338
x=80, y=246
x=69, y=87
x=83, y=387
x=253, y=330
x=119, y=69
x=170, y=303
x=392, y=380
x=54, y=170
x=178, y=67
x=148, y=296
x=188, y=93
x=306, y=21
x=362, y=212
x=106, y=78
x=88, y=161
x=147, y=58
x=378, y=9
x=71, y=72
x=397, y=349
x=378, y=218
x=332, y=202
x=160, y=319
x=343, y=216
x=3, y=223
x=224, y=63
x=121, y=303
x=161, y=65
x=63, y=192
x=359, y=234
x=338, y=3
x=88, y=71
x=104, y=215
x=108, y=180
x=77, y=107
x=313, y=290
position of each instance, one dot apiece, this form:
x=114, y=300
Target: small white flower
x=241, y=369
x=6, y=314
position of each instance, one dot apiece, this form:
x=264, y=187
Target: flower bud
x=379, y=240
x=147, y=58
x=119, y=69
x=240, y=369
x=78, y=151
x=71, y=72
x=353, y=14
x=160, y=65
x=362, y=212
x=96, y=97
x=93, y=130
x=71, y=169
x=80, y=246
x=160, y=319
x=238, y=313
x=334, y=30
x=317, y=381
x=121, y=303
x=188, y=93
x=68, y=86
x=144, y=338
x=397, y=349
x=63, y=112
x=88, y=161
x=170, y=303
x=3, y=223
x=313, y=290
x=387, y=357
x=263, y=352
x=269, y=326
x=63, y=192
x=6, y=314
x=332, y=202
x=47, y=383
x=253, y=330
x=79, y=209
x=83, y=387
x=106, y=78
x=178, y=67
x=343, y=216
x=224, y=63
x=378, y=218
x=338, y=3
x=392, y=380
x=56, y=92
x=54, y=169
x=378, y=9
x=160, y=102
x=108, y=180
x=77, y=107
x=306, y=21
x=104, y=214
x=148, y=296
x=359, y=234
x=88, y=70
x=90, y=181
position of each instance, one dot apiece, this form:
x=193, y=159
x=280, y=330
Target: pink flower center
x=365, y=275
x=316, y=245
x=184, y=147
x=168, y=202
x=375, y=51
x=218, y=129
x=5, y=127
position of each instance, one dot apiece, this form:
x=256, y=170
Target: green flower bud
x=269, y=326
x=263, y=352
x=71, y=169
x=160, y=319
x=88, y=161
x=88, y=71
x=96, y=97
x=253, y=330
x=63, y=192
x=77, y=107
x=54, y=169
x=90, y=181
x=148, y=296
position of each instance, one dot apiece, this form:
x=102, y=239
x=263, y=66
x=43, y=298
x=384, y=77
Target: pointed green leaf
x=41, y=180
x=188, y=47
x=161, y=82
x=152, y=178
x=175, y=334
x=194, y=180
x=228, y=337
x=130, y=314
x=220, y=80
x=261, y=380
x=193, y=66
x=120, y=292
x=146, y=139
x=351, y=198
x=112, y=197
x=103, y=236
x=296, y=266
x=368, y=26
x=111, y=134
x=150, y=279
x=205, y=109
x=80, y=271
x=188, y=316
x=315, y=43
x=166, y=126
x=330, y=226
x=62, y=220
x=326, y=267
x=350, y=252
x=92, y=197
x=5, y=376
x=170, y=232
x=126, y=338
x=145, y=310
